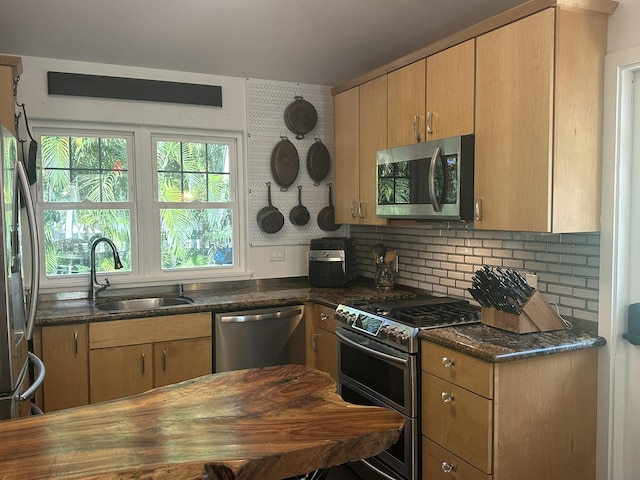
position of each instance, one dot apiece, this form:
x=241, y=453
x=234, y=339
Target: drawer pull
x=447, y=397
x=324, y=317
x=447, y=362
x=448, y=467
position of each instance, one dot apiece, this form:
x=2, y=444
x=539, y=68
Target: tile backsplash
x=443, y=257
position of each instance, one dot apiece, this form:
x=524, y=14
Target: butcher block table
x=260, y=424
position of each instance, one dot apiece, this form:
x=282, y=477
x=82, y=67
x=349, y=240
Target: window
x=167, y=200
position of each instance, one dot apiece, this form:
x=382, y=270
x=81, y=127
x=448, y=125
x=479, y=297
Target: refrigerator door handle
x=39, y=364
x=35, y=249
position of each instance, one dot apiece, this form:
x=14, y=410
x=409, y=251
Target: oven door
x=383, y=373
x=398, y=462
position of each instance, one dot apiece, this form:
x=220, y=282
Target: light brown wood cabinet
x=360, y=122
x=406, y=104
x=65, y=353
x=10, y=68
x=527, y=419
x=450, y=92
x=323, y=345
x=131, y=356
x=538, y=128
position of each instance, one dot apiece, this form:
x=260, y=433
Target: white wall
x=623, y=26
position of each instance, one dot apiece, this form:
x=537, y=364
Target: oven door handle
x=375, y=353
x=377, y=470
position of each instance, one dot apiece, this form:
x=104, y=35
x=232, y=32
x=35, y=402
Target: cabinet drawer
x=325, y=317
x=459, y=368
x=436, y=462
x=462, y=425
x=149, y=330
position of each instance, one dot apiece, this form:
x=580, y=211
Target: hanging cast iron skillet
x=300, y=117
x=326, y=216
x=318, y=161
x=285, y=163
x=270, y=220
x=299, y=215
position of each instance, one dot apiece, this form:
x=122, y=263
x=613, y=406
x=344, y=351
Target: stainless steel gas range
x=379, y=364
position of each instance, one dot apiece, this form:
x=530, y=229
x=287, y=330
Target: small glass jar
x=384, y=279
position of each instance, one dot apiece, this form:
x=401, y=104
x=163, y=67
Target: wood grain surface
x=268, y=424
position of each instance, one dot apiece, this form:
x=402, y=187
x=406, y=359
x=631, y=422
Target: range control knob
x=393, y=334
x=351, y=319
x=340, y=315
x=384, y=331
x=403, y=338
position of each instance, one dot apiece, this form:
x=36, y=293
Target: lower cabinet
x=107, y=360
x=323, y=345
x=131, y=356
x=527, y=419
x=65, y=353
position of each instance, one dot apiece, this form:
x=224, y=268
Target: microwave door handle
x=437, y=206
x=33, y=240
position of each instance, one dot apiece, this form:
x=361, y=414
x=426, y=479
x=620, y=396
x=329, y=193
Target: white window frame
x=145, y=222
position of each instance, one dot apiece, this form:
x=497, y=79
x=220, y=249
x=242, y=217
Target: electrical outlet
x=277, y=254
x=532, y=280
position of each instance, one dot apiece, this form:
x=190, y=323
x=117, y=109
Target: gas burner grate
x=432, y=316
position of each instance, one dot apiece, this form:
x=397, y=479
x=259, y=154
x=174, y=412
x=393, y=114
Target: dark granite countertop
x=225, y=297
x=496, y=345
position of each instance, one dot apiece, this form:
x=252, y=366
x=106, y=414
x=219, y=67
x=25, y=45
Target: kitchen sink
x=146, y=303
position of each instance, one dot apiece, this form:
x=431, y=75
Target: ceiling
x=321, y=42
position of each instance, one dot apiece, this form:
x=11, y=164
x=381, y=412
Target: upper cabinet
x=539, y=84
x=360, y=131
x=406, y=105
x=10, y=68
x=450, y=92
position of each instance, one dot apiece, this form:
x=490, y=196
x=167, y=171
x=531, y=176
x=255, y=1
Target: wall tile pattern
x=443, y=258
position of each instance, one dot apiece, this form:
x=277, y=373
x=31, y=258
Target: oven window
x=385, y=378
x=351, y=396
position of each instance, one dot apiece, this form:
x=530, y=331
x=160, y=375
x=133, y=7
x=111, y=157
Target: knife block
x=536, y=316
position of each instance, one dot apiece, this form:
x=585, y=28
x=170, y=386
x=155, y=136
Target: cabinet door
x=406, y=104
x=347, y=150
x=451, y=92
x=514, y=110
x=181, y=360
x=325, y=351
x=7, y=100
x=65, y=353
x=373, y=137
x=120, y=371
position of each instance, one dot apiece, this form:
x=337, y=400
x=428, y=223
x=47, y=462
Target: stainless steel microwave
x=427, y=181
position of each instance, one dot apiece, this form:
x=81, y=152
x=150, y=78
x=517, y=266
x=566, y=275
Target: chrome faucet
x=117, y=264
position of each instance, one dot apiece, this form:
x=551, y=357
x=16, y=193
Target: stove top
x=397, y=322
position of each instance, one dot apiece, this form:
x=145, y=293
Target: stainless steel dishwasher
x=258, y=338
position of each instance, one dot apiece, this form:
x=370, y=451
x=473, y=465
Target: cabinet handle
x=361, y=209
x=429, y=120
x=164, y=359
x=142, y=358
x=448, y=467
x=447, y=397
x=324, y=317
x=353, y=209
x=416, y=127
x=478, y=209
x=314, y=342
x=75, y=342
x=447, y=362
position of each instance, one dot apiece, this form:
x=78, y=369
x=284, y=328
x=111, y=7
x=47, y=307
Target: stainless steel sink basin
x=147, y=303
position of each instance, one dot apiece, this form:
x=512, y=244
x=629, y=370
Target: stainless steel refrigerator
x=18, y=381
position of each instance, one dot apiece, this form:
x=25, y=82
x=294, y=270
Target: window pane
x=85, y=168
x=196, y=237
x=190, y=171
x=68, y=235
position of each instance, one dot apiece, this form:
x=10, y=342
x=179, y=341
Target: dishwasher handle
x=257, y=317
